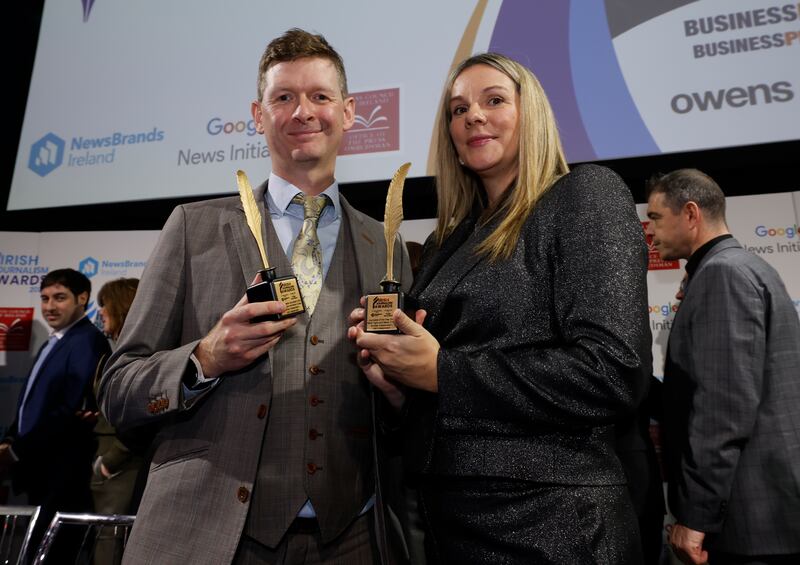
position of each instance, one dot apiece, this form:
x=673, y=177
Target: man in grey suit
x=266, y=448
x=731, y=387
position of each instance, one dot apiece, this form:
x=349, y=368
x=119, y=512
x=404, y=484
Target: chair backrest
x=93, y=526
x=17, y=523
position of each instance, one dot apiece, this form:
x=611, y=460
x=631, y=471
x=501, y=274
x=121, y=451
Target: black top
x=540, y=353
x=697, y=256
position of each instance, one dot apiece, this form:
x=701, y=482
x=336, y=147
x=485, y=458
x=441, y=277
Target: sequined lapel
x=439, y=275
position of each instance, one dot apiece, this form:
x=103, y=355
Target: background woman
x=115, y=467
x=535, y=339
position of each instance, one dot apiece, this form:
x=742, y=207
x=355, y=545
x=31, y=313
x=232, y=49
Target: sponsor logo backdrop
x=727, y=75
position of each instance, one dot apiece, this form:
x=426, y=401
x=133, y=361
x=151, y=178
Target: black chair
x=87, y=529
x=17, y=523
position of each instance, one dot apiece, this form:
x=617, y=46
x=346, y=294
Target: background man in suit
x=731, y=386
x=265, y=451
x=48, y=449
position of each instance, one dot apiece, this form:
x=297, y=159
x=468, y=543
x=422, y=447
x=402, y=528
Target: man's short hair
x=76, y=282
x=689, y=185
x=297, y=44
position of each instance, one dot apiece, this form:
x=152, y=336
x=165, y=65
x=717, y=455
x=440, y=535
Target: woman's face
x=106, y=320
x=484, y=123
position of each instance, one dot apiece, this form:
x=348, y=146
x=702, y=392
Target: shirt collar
x=63, y=331
x=280, y=193
x=702, y=251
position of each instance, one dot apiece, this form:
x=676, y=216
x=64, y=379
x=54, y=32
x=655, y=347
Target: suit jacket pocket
x=177, y=450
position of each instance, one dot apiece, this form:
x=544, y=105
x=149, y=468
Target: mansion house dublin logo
x=15, y=328
x=655, y=262
x=47, y=154
x=377, y=123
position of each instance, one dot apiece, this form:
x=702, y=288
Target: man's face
x=60, y=307
x=303, y=115
x=670, y=231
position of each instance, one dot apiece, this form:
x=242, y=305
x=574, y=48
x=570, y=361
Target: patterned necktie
x=307, y=253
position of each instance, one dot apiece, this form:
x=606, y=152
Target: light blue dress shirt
x=287, y=217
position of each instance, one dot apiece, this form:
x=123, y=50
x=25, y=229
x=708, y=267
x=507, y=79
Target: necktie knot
x=312, y=205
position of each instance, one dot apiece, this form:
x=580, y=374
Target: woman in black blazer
x=531, y=340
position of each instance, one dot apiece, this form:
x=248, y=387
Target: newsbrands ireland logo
x=47, y=154
x=89, y=266
x=377, y=123
x=87, y=9
x=89, y=151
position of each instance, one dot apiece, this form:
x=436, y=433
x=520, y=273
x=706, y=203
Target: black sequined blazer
x=541, y=353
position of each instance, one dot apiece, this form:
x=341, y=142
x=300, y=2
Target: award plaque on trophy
x=272, y=287
x=381, y=305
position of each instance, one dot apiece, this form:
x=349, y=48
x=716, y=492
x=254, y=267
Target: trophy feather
x=393, y=215
x=251, y=212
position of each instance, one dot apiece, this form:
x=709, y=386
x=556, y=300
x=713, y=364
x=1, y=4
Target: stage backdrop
x=151, y=99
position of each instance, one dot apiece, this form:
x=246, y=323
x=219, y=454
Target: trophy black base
x=381, y=305
x=271, y=288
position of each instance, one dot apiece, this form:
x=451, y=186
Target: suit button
x=314, y=400
x=311, y=468
x=313, y=434
x=314, y=370
x=262, y=411
x=242, y=494
x=314, y=340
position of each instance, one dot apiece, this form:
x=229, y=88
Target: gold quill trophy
x=271, y=286
x=380, y=305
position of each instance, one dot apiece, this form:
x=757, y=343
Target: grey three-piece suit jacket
x=732, y=406
x=298, y=423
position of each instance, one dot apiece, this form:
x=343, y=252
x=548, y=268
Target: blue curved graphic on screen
x=608, y=113
x=537, y=35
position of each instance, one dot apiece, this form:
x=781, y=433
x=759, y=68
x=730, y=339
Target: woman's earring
x=461, y=161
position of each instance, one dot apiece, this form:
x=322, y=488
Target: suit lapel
x=245, y=245
x=430, y=267
x=370, y=261
x=432, y=291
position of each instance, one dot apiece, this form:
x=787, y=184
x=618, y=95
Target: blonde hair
x=540, y=160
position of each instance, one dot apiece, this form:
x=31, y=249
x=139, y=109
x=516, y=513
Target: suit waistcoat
x=318, y=440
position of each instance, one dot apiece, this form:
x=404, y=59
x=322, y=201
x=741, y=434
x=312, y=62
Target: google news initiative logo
x=47, y=154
